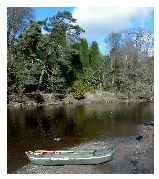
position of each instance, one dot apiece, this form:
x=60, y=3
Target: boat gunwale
x=108, y=153
x=69, y=158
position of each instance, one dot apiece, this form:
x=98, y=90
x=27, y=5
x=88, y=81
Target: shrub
x=78, y=90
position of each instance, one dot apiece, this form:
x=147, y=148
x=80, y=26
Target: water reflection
x=30, y=129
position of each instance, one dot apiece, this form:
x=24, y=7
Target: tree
x=27, y=63
x=63, y=28
x=84, y=53
x=62, y=31
x=59, y=60
x=142, y=40
x=18, y=18
x=135, y=52
x=95, y=58
x=129, y=59
x=115, y=42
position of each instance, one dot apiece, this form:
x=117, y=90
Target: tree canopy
x=52, y=56
x=18, y=19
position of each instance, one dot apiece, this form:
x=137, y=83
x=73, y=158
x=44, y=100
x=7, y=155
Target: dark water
x=37, y=128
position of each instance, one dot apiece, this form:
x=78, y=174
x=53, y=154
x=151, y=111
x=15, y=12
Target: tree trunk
x=41, y=77
x=113, y=70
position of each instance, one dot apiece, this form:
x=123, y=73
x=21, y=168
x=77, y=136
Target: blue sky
x=98, y=22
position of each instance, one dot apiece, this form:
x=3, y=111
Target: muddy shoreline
x=134, y=155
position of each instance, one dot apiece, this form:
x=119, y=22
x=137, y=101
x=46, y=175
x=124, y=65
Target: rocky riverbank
x=134, y=154
x=39, y=98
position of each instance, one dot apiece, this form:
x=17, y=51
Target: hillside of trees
x=51, y=56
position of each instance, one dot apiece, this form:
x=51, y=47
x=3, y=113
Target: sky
x=98, y=22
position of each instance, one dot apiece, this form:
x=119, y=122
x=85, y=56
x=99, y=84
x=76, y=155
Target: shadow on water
x=37, y=128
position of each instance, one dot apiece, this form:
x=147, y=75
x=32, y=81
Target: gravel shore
x=134, y=155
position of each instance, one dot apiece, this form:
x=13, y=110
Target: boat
x=71, y=157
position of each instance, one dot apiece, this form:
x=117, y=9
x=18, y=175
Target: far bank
x=41, y=98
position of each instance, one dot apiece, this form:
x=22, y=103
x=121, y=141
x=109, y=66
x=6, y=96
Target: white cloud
x=98, y=21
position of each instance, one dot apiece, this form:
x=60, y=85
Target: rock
x=139, y=137
x=149, y=123
x=57, y=139
x=134, y=162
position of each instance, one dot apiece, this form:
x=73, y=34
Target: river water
x=59, y=127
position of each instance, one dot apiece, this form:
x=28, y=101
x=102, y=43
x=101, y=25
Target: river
x=59, y=127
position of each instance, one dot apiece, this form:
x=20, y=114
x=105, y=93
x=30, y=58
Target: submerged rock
x=139, y=137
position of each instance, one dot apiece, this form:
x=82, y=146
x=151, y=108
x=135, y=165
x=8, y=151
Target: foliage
x=127, y=65
x=63, y=31
x=18, y=19
x=78, y=90
x=27, y=64
x=63, y=28
x=60, y=59
x=95, y=58
x=54, y=81
x=84, y=53
x=89, y=79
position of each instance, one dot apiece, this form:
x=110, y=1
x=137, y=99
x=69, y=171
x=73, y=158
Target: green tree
x=18, y=19
x=84, y=53
x=27, y=64
x=62, y=32
x=95, y=58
